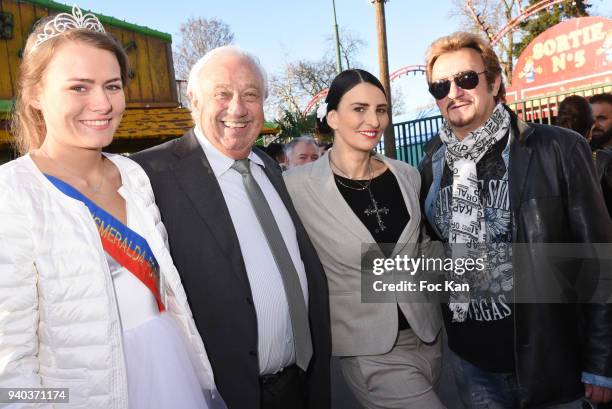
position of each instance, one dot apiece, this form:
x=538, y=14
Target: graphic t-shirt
x=485, y=338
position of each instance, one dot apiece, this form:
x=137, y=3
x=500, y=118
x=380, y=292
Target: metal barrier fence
x=544, y=109
x=411, y=136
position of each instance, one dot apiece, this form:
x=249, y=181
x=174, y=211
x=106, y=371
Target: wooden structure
x=153, y=112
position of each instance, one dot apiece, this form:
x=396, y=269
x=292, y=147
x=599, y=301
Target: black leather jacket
x=603, y=164
x=555, y=198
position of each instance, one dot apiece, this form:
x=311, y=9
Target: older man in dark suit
x=253, y=279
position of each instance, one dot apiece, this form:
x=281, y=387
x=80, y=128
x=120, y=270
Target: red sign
x=572, y=54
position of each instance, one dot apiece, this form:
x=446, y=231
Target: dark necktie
x=291, y=282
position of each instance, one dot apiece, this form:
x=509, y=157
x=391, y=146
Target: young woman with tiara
x=389, y=350
x=89, y=297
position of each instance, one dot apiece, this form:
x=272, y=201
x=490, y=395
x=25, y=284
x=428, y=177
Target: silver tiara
x=64, y=22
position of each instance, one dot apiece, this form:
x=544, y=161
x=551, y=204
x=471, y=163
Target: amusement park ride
x=524, y=13
x=392, y=77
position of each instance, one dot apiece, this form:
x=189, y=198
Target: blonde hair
x=462, y=39
x=27, y=123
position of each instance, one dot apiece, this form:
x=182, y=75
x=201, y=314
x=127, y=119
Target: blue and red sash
x=123, y=244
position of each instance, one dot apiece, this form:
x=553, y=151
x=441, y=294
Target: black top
x=383, y=212
x=381, y=209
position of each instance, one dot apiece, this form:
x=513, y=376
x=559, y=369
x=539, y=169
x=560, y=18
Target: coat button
x=253, y=353
x=249, y=300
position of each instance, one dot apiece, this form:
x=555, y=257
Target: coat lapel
x=411, y=199
x=276, y=178
x=198, y=182
x=520, y=158
x=323, y=185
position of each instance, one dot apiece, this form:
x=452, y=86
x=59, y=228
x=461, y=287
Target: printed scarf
x=468, y=229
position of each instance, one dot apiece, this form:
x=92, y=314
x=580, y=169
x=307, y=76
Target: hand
x=597, y=394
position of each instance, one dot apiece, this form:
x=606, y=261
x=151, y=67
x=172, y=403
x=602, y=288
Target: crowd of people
x=198, y=274
x=592, y=118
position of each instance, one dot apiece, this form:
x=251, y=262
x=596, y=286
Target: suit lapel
x=276, y=179
x=198, y=182
x=323, y=185
x=411, y=199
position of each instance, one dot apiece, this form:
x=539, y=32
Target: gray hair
x=193, y=81
x=294, y=142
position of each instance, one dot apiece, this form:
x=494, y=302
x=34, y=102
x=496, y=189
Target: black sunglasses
x=465, y=80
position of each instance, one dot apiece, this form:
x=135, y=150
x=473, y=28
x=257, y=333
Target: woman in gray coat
x=352, y=200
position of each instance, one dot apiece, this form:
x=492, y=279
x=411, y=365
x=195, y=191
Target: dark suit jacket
x=206, y=252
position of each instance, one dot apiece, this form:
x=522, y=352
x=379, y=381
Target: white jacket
x=59, y=321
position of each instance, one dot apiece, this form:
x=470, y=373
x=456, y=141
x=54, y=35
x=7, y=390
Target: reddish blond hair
x=27, y=124
x=462, y=39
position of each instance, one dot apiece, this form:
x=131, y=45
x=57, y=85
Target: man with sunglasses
x=490, y=180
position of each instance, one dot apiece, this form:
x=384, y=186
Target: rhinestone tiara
x=64, y=22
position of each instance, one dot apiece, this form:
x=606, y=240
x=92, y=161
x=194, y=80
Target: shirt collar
x=219, y=162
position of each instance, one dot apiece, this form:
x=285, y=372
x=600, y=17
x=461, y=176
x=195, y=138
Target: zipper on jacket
x=119, y=385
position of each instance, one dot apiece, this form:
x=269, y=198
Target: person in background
x=89, y=297
x=601, y=143
x=575, y=113
x=301, y=151
x=277, y=152
x=390, y=352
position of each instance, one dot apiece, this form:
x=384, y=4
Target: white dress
x=158, y=360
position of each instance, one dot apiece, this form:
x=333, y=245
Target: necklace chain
x=94, y=189
x=361, y=187
x=375, y=210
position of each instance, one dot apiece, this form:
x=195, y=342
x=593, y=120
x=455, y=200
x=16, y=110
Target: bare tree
x=488, y=17
x=350, y=45
x=313, y=76
x=198, y=36
x=301, y=80
x=397, y=101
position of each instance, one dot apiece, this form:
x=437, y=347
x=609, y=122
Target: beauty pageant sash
x=123, y=244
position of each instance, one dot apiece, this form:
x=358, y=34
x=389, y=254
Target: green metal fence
x=410, y=137
x=544, y=109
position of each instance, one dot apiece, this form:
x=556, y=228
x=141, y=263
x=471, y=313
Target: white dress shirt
x=275, y=347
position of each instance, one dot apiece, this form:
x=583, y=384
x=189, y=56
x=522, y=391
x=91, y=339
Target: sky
x=282, y=31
